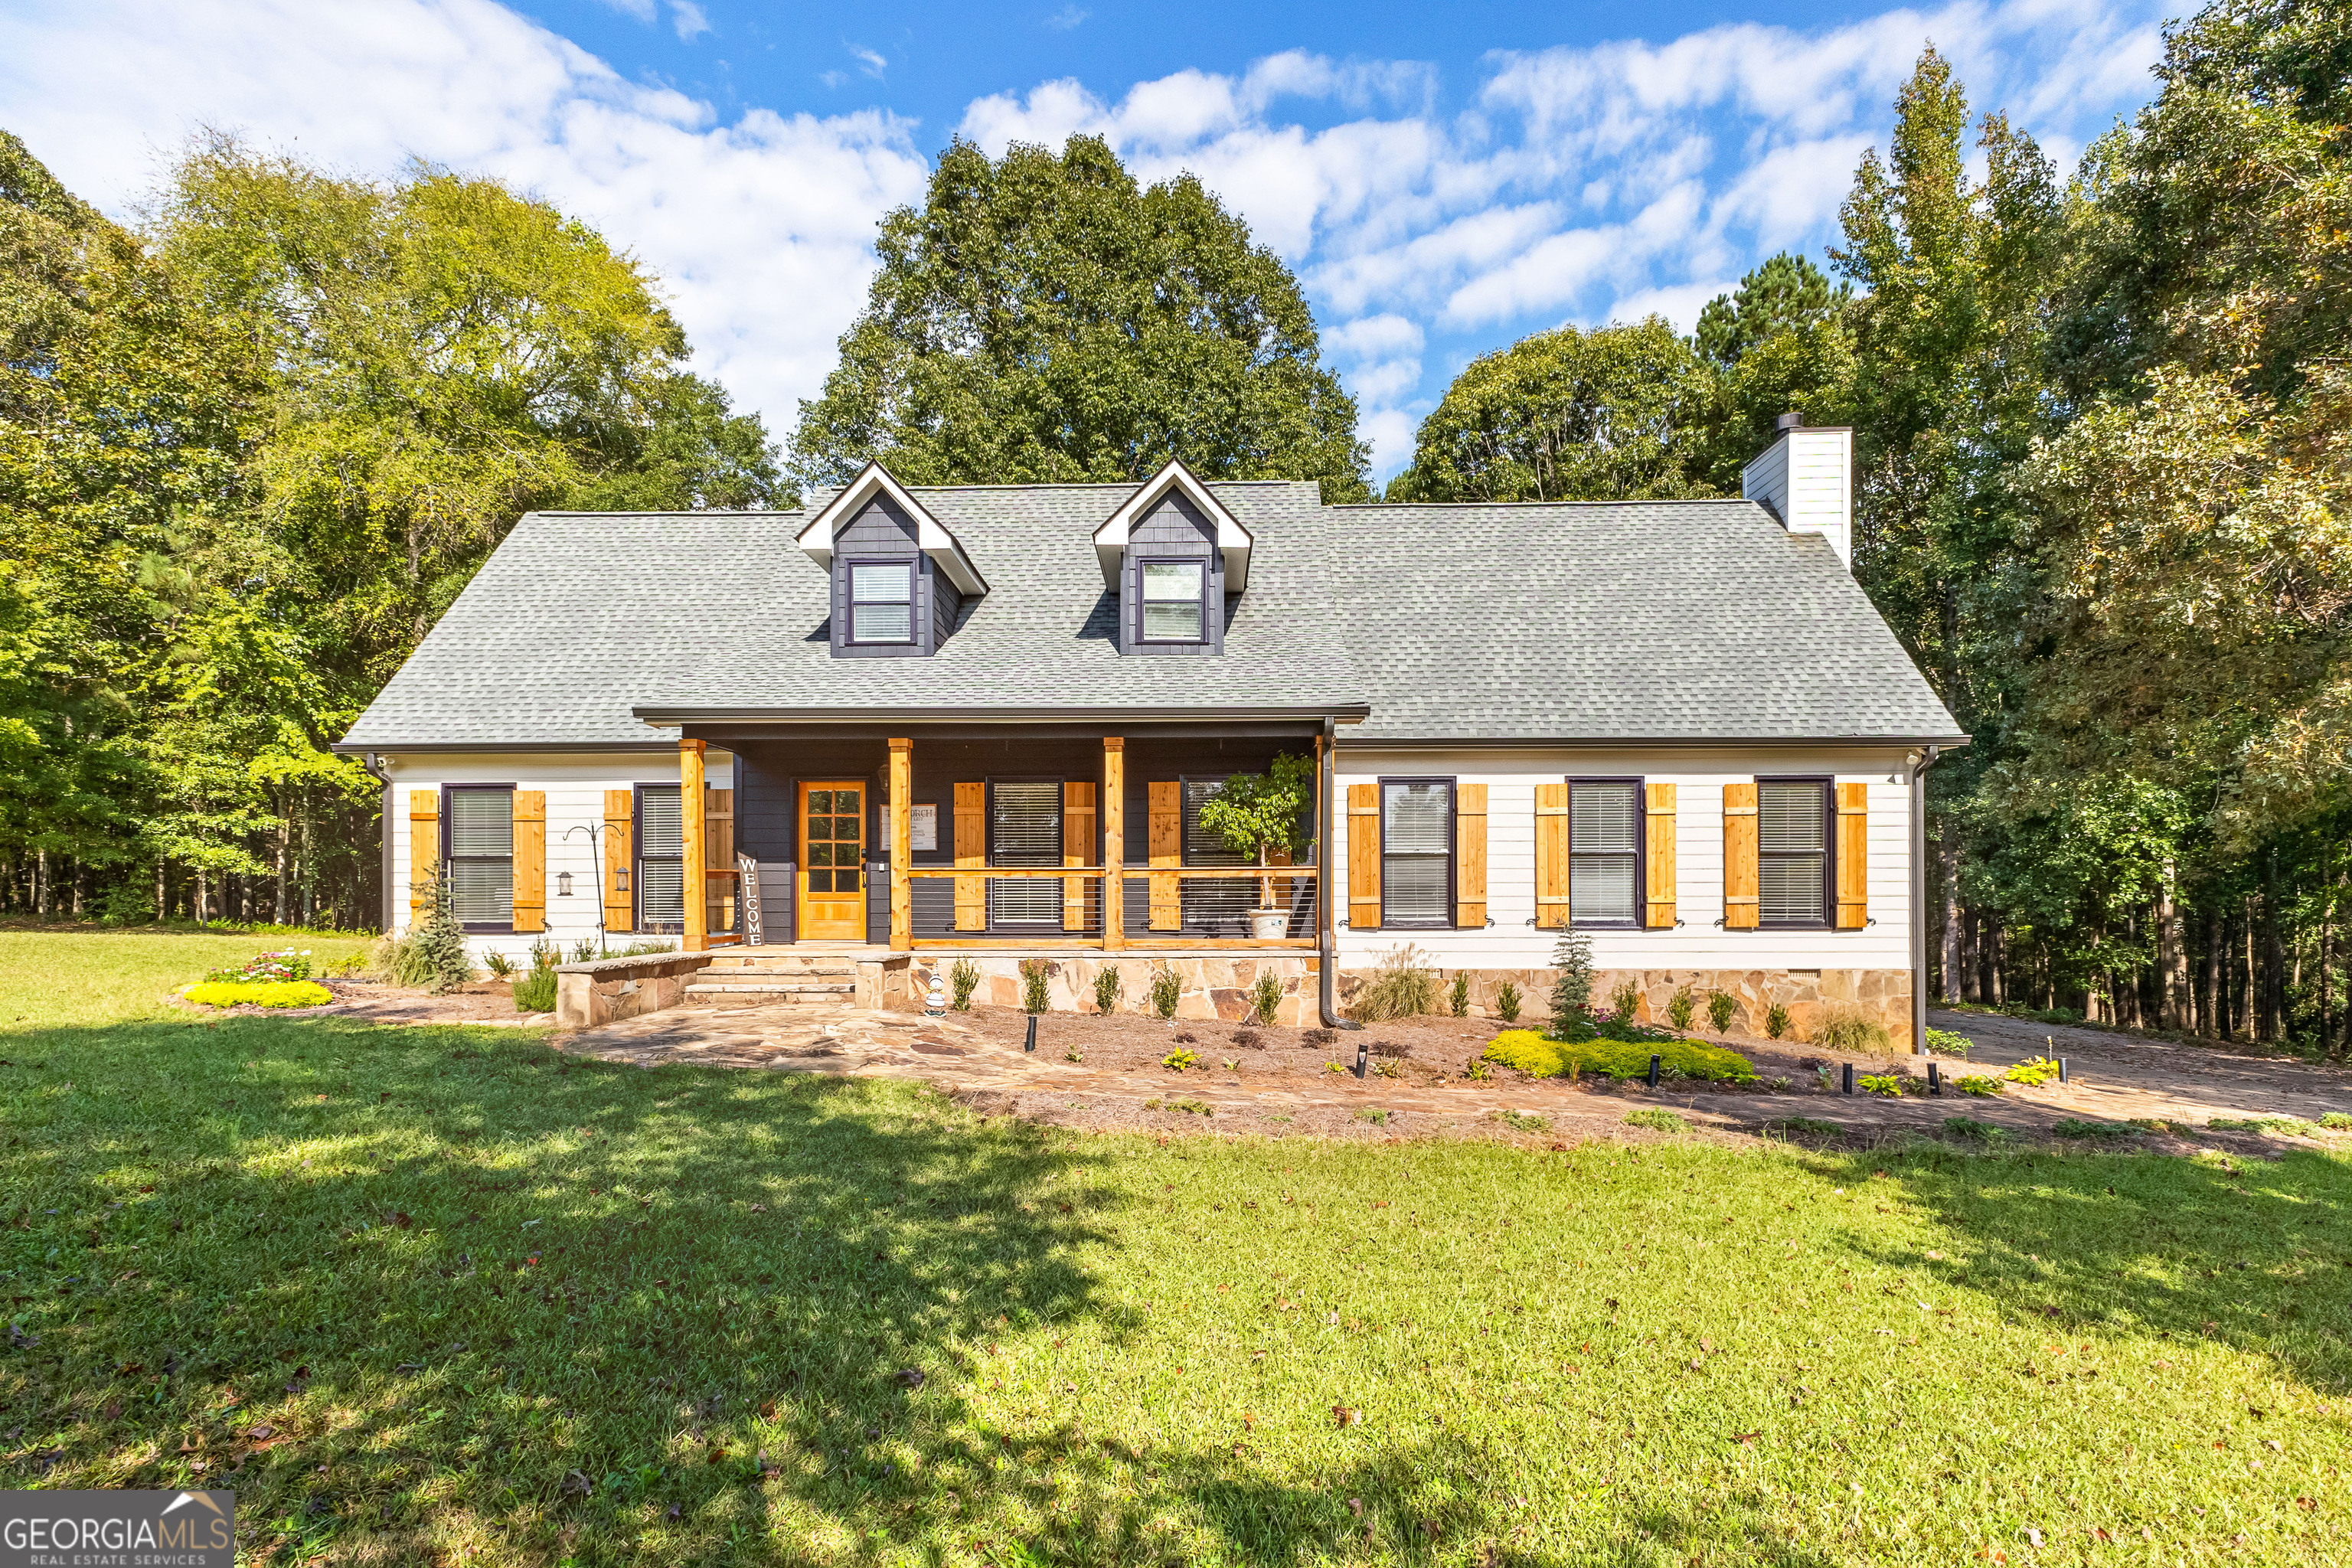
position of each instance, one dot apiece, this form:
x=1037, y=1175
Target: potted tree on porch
x=1258, y=814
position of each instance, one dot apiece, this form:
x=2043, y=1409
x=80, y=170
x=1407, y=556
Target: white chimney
x=1806, y=479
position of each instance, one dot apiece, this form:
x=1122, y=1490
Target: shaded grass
x=483, y=1297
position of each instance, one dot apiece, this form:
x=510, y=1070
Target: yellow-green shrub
x=259, y=993
x=1531, y=1053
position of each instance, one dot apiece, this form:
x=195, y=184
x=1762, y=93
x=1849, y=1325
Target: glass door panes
x=837, y=840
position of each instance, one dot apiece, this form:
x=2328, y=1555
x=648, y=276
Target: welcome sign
x=118, y=1529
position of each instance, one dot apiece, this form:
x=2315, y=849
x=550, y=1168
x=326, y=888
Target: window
x=1792, y=859
x=1416, y=852
x=1024, y=828
x=1216, y=905
x=479, y=861
x=881, y=601
x=1172, y=591
x=661, y=859
x=1604, y=852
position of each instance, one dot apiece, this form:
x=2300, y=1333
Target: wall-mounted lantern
x=563, y=884
x=620, y=879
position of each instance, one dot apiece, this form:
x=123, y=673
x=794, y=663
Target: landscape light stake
x=2062, y=1070
x=1935, y=1079
x=1654, y=1071
x=1849, y=1077
x=1033, y=1034
x=1361, y=1044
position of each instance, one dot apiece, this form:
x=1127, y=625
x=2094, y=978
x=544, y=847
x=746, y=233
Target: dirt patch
x=1419, y=1050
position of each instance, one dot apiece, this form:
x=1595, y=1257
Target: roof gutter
x=1927, y=757
x=373, y=763
x=1646, y=743
x=962, y=713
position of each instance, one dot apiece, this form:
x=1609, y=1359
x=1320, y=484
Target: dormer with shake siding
x=900, y=579
x=1174, y=558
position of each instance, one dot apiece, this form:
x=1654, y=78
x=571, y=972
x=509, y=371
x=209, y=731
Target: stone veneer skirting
x=1809, y=994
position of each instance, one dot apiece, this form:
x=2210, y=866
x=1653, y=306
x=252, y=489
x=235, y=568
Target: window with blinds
x=1024, y=828
x=1792, y=862
x=1416, y=852
x=1172, y=591
x=1604, y=864
x=661, y=859
x=1217, y=906
x=882, y=601
x=479, y=863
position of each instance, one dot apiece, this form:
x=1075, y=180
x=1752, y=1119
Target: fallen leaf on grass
x=1344, y=1417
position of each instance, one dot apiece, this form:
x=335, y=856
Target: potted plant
x=1258, y=814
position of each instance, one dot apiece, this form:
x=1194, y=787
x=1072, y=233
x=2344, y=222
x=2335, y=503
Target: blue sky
x=1442, y=179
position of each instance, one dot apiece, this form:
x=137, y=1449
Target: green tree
x=1777, y=344
x=1258, y=814
x=1042, y=318
x=1606, y=415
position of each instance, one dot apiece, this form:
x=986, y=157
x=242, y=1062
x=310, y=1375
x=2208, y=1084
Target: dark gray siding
x=1174, y=529
x=882, y=532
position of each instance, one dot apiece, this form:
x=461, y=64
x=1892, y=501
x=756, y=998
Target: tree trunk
x=2274, y=966
x=1951, y=981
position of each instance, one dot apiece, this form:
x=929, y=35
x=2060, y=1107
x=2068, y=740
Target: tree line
x=251, y=447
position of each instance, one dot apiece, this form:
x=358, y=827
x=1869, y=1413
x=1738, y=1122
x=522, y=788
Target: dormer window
x=1174, y=599
x=881, y=601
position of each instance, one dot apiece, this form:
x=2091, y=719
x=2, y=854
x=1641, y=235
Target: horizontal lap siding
x=574, y=787
x=1512, y=941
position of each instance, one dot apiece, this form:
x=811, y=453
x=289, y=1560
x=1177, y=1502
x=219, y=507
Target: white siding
x=575, y=785
x=1511, y=939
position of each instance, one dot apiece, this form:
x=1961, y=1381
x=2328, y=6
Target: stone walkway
x=2114, y=1079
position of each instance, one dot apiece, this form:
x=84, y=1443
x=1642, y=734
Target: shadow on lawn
x=2147, y=1243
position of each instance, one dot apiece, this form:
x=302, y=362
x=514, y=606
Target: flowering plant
x=289, y=964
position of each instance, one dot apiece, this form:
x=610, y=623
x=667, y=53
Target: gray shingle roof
x=1628, y=620
x=1638, y=621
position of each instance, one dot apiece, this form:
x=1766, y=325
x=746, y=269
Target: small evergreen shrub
x=535, y=992
x=1852, y=1030
x=964, y=979
x=1681, y=1007
x=1458, y=999
x=1534, y=1054
x=1107, y=989
x=1658, y=1119
x=1720, y=1006
x=1404, y=986
x=1507, y=1003
x=439, y=944
x=259, y=992
x=1775, y=1021
x=501, y=966
x=1265, y=999
x=1626, y=1000
x=1034, y=974
x=1166, y=992
x=1571, y=986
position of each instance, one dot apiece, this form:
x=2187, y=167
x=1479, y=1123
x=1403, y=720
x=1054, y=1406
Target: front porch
x=1046, y=843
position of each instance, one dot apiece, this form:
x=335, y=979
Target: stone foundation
x=587, y=994
x=1212, y=986
x=1809, y=995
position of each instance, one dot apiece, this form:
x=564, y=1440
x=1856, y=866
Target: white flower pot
x=1267, y=925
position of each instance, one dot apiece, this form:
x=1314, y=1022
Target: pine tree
x=1571, y=994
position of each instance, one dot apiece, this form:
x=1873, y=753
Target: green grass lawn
x=439, y=1294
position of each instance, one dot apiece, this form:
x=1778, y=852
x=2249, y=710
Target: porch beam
x=1114, y=832
x=902, y=843
x=690, y=808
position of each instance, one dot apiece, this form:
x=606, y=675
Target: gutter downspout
x=1919, y=900
x=370, y=760
x=1327, y=945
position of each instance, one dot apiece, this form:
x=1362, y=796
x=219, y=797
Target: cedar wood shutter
x=1470, y=857
x=424, y=850
x=1658, y=856
x=1167, y=843
x=719, y=854
x=1740, y=908
x=1551, y=854
x=620, y=856
x=1853, y=856
x=1364, y=856
x=971, y=853
x=1079, y=839
x=529, y=860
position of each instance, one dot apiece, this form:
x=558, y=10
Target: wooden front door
x=832, y=862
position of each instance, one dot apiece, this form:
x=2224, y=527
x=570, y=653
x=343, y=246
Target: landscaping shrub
x=1265, y=999
x=438, y=944
x=1852, y=1030
x=1775, y=1021
x=1682, y=1007
x=1943, y=1042
x=1979, y=1085
x=1571, y=987
x=1532, y=1054
x=1180, y=1059
x=1458, y=999
x=1657, y=1117
x=2336, y=1121
x=1166, y=992
x=286, y=965
x=1720, y=1006
x=1106, y=988
x=1034, y=974
x=1404, y=986
x=259, y=992
x=535, y=992
x=501, y=966
x=1626, y=1000
x=1887, y=1084
x=2032, y=1071
x=964, y=979
x=1507, y=1003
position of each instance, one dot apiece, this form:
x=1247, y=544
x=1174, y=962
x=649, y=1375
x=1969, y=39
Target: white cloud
x=642, y=10
x=868, y=61
x=1679, y=304
x=687, y=19
x=1067, y=17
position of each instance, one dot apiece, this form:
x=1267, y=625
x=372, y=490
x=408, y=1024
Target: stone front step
x=829, y=968
x=761, y=995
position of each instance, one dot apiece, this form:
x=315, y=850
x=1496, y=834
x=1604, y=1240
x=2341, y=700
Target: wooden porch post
x=689, y=815
x=1114, y=832
x=902, y=841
